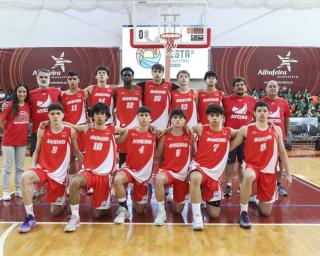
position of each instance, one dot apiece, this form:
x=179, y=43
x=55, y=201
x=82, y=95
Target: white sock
x=229, y=184
x=29, y=209
x=75, y=210
x=121, y=200
x=243, y=207
x=196, y=209
x=161, y=207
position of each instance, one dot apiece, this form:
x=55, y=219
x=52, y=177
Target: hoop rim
x=170, y=36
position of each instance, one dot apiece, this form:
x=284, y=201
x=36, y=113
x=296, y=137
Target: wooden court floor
x=279, y=235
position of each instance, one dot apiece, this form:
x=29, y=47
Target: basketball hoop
x=170, y=41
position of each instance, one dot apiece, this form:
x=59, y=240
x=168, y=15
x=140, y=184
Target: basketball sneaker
x=244, y=220
x=197, y=222
x=18, y=193
x=6, y=196
x=73, y=223
x=28, y=224
x=282, y=191
x=161, y=218
x=228, y=192
x=122, y=215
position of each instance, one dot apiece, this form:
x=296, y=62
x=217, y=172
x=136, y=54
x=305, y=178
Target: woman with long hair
x=15, y=122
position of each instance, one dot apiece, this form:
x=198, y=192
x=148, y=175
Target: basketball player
x=262, y=146
x=74, y=103
x=140, y=144
x=157, y=96
x=238, y=112
x=185, y=98
x=129, y=99
x=175, y=152
x=50, y=164
x=211, y=95
x=98, y=164
x=279, y=114
x=102, y=92
x=208, y=165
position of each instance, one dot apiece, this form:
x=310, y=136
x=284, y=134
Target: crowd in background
x=302, y=103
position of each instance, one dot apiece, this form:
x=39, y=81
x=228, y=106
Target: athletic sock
x=161, y=206
x=229, y=184
x=29, y=209
x=123, y=202
x=196, y=209
x=243, y=208
x=75, y=210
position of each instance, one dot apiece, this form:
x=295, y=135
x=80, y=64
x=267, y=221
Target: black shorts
x=237, y=152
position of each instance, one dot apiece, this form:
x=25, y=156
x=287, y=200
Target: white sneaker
x=73, y=224
x=197, y=222
x=161, y=218
x=6, y=196
x=122, y=215
x=18, y=193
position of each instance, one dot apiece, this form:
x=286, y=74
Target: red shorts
x=55, y=190
x=266, y=184
x=81, y=140
x=210, y=188
x=140, y=190
x=180, y=188
x=101, y=189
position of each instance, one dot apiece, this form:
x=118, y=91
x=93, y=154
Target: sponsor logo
x=60, y=62
x=286, y=61
x=240, y=111
x=275, y=114
x=44, y=104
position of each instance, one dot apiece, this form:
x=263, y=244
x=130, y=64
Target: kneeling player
x=99, y=162
x=208, y=165
x=262, y=145
x=140, y=146
x=174, y=150
x=50, y=165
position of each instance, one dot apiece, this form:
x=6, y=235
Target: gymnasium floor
x=292, y=229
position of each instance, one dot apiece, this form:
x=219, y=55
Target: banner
x=293, y=67
x=19, y=65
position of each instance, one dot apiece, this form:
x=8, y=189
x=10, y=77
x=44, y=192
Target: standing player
x=208, y=165
x=175, y=153
x=262, y=146
x=211, y=95
x=50, y=164
x=98, y=164
x=238, y=112
x=157, y=96
x=102, y=92
x=140, y=143
x=128, y=101
x=73, y=101
x=185, y=98
x=279, y=114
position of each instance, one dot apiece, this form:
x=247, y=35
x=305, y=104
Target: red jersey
x=100, y=157
x=128, y=103
x=238, y=110
x=54, y=156
x=15, y=132
x=139, y=161
x=104, y=95
x=39, y=100
x=157, y=98
x=204, y=100
x=261, y=148
x=177, y=154
x=74, y=107
x=213, y=150
x=187, y=102
x=278, y=111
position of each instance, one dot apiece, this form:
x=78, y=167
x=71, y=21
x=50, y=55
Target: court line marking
x=306, y=182
x=14, y=224
x=4, y=236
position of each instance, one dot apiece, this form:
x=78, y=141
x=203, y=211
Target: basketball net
x=170, y=41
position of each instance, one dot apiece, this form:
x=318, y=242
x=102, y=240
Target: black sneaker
x=244, y=220
x=228, y=192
